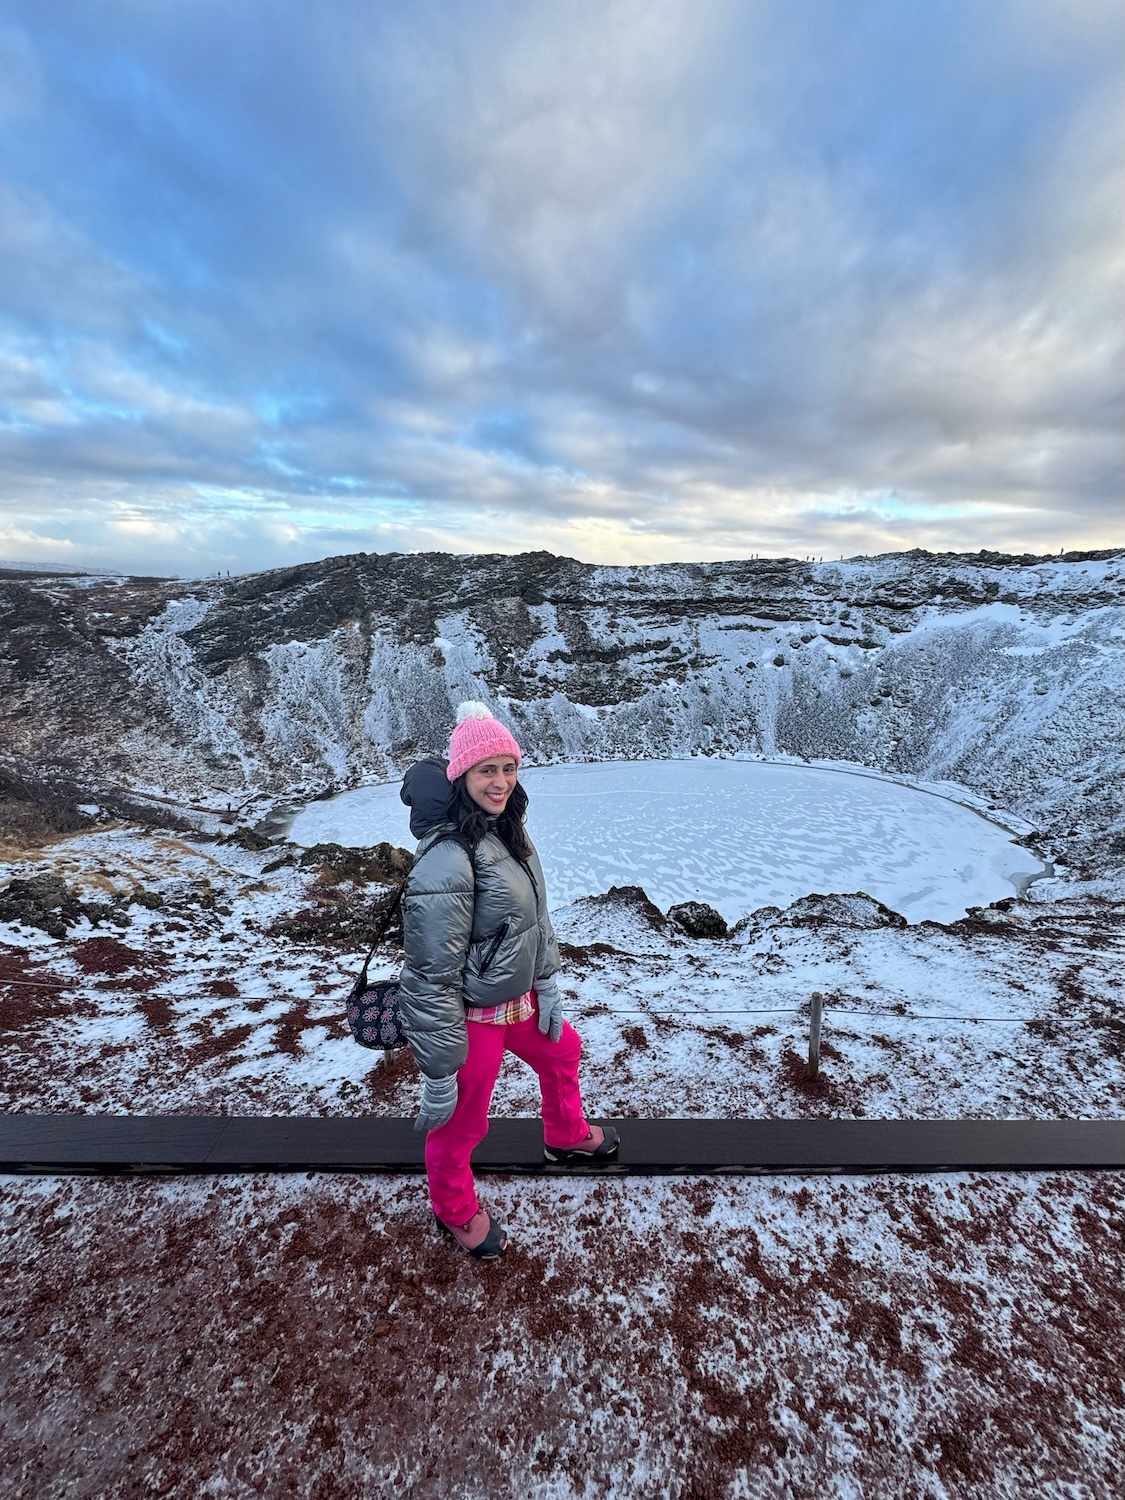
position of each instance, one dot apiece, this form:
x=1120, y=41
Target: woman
x=479, y=977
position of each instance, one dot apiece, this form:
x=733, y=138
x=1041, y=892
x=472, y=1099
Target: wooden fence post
x=816, y=1016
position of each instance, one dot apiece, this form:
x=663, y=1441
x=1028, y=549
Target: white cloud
x=671, y=278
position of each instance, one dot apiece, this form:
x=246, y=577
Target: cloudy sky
x=630, y=280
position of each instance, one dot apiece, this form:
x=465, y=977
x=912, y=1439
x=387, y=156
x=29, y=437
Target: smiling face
x=489, y=783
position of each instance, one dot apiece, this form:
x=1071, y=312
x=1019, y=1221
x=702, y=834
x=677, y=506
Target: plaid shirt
x=510, y=1013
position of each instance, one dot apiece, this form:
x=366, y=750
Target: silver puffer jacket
x=476, y=931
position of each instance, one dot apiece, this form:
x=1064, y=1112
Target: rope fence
x=594, y=1008
x=815, y=1008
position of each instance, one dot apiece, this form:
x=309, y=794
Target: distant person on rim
x=480, y=972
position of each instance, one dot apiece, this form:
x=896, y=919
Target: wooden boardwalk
x=192, y=1143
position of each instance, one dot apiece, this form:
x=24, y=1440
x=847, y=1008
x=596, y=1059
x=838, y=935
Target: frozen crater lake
x=737, y=834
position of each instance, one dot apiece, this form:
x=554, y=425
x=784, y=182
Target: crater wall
x=1001, y=673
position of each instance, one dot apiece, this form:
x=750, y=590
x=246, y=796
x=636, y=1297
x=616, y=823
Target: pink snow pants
x=448, y=1148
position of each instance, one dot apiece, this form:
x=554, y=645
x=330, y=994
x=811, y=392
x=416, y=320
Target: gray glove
x=439, y=1100
x=551, y=1010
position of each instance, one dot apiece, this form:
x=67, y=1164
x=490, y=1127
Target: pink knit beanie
x=477, y=736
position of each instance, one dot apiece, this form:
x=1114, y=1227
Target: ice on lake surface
x=737, y=834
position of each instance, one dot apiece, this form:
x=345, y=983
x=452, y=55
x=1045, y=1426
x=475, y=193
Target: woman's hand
x=551, y=1011
x=439, y=1100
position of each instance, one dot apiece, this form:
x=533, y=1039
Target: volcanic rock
x=698, y=920
x=855, y=910
x=44, y=902
x=382, y=863
x=631, y=898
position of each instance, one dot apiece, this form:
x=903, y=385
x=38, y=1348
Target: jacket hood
x=425, y=790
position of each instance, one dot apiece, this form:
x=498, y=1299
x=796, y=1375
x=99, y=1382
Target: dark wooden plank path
x=190, y=1143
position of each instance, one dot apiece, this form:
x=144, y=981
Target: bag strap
x=395, y=905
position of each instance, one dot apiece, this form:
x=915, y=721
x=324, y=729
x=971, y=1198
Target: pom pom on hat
x=477, y=737
x=471, y=709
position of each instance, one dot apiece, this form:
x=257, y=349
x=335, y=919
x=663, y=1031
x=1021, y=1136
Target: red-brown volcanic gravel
x=914, y=1338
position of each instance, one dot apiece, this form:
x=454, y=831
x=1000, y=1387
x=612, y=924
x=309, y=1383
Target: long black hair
x=472, y=822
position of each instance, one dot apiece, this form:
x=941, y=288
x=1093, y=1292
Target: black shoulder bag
x=373, y=1009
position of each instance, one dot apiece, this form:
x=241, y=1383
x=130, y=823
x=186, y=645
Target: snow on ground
x=206, y=1002
x=921, y=1338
